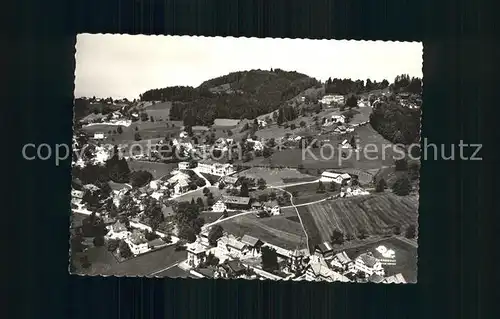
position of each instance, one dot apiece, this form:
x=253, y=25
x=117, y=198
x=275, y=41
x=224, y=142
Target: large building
x=214, y=168
x=339, y=178
x=236, y=202
x=368, y=264
x=329, y=99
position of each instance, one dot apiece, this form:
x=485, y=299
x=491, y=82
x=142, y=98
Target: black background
x=456, y=279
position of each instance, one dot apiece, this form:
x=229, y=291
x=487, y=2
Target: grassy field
x=307, y=193
x=175, y=272
x=147, y=130
x=199, y=193
x=158, y=170
x=374, y=157
x=104, y=263
x=210, y=217
x=273, y=176
x=277, y=231
x=377, y=214
x=101, y=260
x=406, y=257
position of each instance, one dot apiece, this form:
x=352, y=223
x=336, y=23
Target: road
x=227, y=218
x=297, y=211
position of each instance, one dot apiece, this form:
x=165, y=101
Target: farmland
x=307, y=193
x=158, y=170
x=277, y=230
x=274, y=176
x=379, y=154
x=376, y=214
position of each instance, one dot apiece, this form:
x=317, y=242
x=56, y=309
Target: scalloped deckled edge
x=251, y=38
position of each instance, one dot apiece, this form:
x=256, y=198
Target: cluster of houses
x=345, y=181
x=330, y=266
x=136, y=238
x=269, y=208
x=240, y=257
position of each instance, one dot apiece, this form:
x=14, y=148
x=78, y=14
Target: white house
x=257, y=145
x=214, y=168
x=262, y=123
x=137, y=242
x=219, y=207
x=231, y=246
x=339, y=178
x=368, y=264
x=329, y=99
x=338, y=119
x=183, y=165
x=353, y=191
x=76, y=193
x=196, y=254
x=98, y=136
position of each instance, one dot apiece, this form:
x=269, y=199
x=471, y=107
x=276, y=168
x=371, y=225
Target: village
x=143, y=216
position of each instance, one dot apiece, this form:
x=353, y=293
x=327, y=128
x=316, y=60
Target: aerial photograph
x=246, y=158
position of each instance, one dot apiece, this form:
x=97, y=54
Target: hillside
x=245, y=94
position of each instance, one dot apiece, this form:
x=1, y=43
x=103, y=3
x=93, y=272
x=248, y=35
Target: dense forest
x=396, y=123
x=248, y=95
x=348, y=86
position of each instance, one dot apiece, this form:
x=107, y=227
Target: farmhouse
x=183, y=165
x=236, y=202
x=254, y=244
x=339, y=178
x=262, y=123
x=226, y=122
x=325, y=250
x=180, y=182
x=196, y=254
x=219, y=207
x=214, y=168
x=329, y=99
x=369, y=264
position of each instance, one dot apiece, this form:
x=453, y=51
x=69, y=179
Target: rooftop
x=236, y=200
x=250, y=240
x=367, y=259
x=395, y=279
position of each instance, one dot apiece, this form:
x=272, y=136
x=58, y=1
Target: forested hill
x=246, y=94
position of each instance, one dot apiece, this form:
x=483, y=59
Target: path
x=224, y=219
x=196, y=171
x=165, y=269
x=298, y=215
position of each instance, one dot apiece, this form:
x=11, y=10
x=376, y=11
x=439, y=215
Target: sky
x=124, y=66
